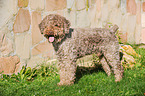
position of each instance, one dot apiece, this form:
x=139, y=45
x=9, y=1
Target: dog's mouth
x=49, y=37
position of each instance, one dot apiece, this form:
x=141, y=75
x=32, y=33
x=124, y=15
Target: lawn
x=89, y=83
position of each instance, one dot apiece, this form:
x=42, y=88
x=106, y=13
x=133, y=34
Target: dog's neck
x=57, y=44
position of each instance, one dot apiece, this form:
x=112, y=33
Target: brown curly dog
x=73, y=43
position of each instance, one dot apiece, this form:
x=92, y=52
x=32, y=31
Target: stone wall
x=20, y=35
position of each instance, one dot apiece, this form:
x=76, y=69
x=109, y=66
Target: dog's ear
x=66, y=26
x=41, y=27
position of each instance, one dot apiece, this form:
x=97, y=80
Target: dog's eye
x=56, y=25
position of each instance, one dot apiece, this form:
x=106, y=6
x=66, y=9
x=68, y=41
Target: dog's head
x=54, y=27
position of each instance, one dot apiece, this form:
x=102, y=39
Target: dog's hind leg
x=105, y=65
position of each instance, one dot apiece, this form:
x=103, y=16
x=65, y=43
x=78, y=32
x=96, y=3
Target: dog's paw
x=65, y=83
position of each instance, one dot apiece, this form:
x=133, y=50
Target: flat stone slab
x=23, y=3
x=9, y=65
x=22, y=22
x=52, y=5
x=36, y=35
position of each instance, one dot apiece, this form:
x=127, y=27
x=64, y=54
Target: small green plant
x=45, y=71
x=95, y=59
x=28, y=74
x=140, y=61
x=25, y=74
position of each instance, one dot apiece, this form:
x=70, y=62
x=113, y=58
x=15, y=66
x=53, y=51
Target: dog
x=73, y=43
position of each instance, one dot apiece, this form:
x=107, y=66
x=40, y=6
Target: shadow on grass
x=81, y=71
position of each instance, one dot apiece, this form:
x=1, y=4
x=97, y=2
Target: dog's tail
x=114, y=29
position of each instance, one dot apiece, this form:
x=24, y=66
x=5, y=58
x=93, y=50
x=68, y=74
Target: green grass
x=91, y=83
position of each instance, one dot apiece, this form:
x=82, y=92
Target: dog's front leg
x=67, y=70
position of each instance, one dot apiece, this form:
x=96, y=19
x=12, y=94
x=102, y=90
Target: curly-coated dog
x=73, y=43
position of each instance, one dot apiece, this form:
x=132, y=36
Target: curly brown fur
x=73, y=43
